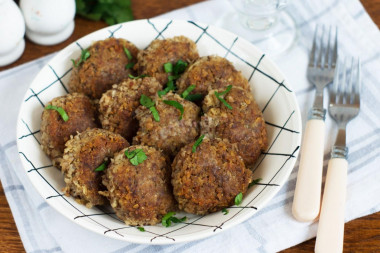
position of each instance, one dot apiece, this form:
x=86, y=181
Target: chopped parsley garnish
x=148, y=103
x=60, y=110
x=238, y=199
x=197, y=143
x=225, y=211
x=172, y=78
x=128, y=53
x=136, y=156
x=176, y=105
x=219, y=94
x=137, y=77
x=169, y=218
x=256, y=181
x=169, y=86
x=168, y=67
x=188, y=90
x=83, y=57
x=194, y=97
x=130, y=65
x=102, y=167
x=141, y=229
x=179, y=67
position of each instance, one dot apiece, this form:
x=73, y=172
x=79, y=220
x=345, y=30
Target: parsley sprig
x=255, y=181
x=219, y=94
x=169, y=218
x=130, y=58
x=137, y=77
x=225, y=211
x=174, y=72
x=83, y=57
x=176, y=105
x=149, y=103
x=60, y=110
x=141, y=229
x=197, y=143
x=136, y=156
x=239, y=199
x=101, y=167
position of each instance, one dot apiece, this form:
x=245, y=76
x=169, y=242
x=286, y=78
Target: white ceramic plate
x=271, y=90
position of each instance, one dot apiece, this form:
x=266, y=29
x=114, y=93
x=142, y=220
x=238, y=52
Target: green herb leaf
x=194, y=97
x=83, y=57
x=169, y=86
x=111, y=11
x=137, y=77
x=172, y=78
x=168, y=67
x=188, y=90
x=141, y=229
x=256, y=181
x=60, y=110
x=155, y=114
x=179, y=67
x=197, y=143
x=176, y=105
x=169, y=218
x=102, y=167
x=136, y=156
x=146, y=101
x=225, y=211
x=219, y=94
x=130, y=65
x=129, y=55
x=238, y=199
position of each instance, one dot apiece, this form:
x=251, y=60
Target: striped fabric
x=42, y=229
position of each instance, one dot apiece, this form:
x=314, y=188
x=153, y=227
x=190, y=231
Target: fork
x=344, y=106
x=320, y=72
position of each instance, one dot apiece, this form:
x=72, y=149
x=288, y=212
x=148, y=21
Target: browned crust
x=105, y=67
x=170, y=134
x=117, y=106
x=244, y=125
x=83, y=154
x=55, y=132
x=142, y=194
x=152, y=59
x=211, y=72
x=209, y=179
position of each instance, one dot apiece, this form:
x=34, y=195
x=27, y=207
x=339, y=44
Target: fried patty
x=243, y=125
x=105, y=66
x=171, y=133
x=55, y=131
x=142, y=194
x=211, y=72
x=209, y=179
x=151, y=60
x=84, y=153
x=117, y=106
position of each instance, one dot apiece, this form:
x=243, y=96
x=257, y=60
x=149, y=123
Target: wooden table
x=361, y=235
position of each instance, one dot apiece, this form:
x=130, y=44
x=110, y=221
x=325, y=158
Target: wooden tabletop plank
x=361, y=235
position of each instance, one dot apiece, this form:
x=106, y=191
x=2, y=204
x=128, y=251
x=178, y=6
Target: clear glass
x=263, y=22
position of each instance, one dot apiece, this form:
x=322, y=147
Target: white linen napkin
x=42, y=229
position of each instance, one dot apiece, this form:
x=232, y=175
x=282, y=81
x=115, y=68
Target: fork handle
x=307, y=195
x=331, y=221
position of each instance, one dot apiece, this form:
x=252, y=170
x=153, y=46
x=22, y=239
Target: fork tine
x=335, y=86
x=335, y=52
x=349, y=94
x=313, y=48
x=358, y=84
x=319, y=61
x=341, y=84
x=328, y=53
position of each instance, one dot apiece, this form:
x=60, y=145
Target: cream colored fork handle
x=307, y=195
x=331, y=221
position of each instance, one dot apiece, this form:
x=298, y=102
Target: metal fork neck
x=339, y=149
x=317, y=111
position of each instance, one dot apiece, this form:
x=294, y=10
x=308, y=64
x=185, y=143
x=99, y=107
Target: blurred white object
x=48, y=22
x=12, y=30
